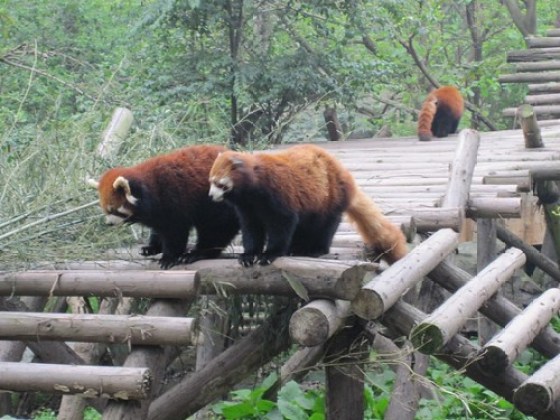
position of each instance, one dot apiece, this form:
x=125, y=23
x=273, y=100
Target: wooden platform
x=405, y=176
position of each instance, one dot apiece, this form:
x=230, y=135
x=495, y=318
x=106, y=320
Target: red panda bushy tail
x=378, y=232
x=426, y=117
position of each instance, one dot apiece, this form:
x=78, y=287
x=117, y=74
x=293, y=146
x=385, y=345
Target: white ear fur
x=236, y=162
x=92, y=183
x=122, y=182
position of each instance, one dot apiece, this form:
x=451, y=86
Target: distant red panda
x=293, y=201
x=169, y=194
x=440, y=113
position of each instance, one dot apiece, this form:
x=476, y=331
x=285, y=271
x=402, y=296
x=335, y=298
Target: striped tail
x=427, y=114
x=378, y=232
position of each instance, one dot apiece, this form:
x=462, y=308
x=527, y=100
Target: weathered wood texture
x=539, y=393
x=434, y=331
x=504, y=348
x=385, y=289
x=460, y=353
x=89, y=381
x=137, y=329
x=498, y=308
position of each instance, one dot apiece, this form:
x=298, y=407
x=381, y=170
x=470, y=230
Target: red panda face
x=222, y=174
x=115, y=198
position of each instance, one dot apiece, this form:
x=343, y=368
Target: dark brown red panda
x=293, y=201
x=169, y=194
x=440, y=113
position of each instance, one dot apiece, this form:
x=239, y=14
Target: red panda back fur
x=440, y=113
x=307, y=180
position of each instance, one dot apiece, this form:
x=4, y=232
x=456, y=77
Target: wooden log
x=546, y=99
x=316, y=322
x=384, y=290
x=505, y=347
x=494, y=207
x=344, y=375
x=540, y=110
x=320, y=278
x=434, y=218
x=498, y=308
x=460, y=354
x=462, y=169
x=534, y=54
x=88, y=381
x=523, y=181
x=549, y=76
x=551, y=87
x=530, y=127
x=544, y=174
x=445, y=321
x=116, y=132
x=406, y=396
x=542, y=42
x=161, y=284
x=138, y=329
x=155, y=358
x=538, y=393
x=533, y=255
x=485, y=254
x=553, y=32
x=218, y=377
x=538, y=66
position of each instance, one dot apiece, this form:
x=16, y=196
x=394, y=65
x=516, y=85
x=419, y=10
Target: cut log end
x=493, y=359
x=427, y=338
x=309, y=327
x=533, y=398
x=368, y=304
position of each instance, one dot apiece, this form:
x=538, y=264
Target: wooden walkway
x=426, y=187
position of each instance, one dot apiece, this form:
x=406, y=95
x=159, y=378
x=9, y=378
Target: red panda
x=169, y=194
x=294, y=200
x=440, y=113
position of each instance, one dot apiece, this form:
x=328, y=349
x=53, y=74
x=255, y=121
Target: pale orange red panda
x=440, y=113
x=293, y=202
x=169, y=194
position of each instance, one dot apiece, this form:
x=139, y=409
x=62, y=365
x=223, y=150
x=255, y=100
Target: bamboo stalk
x=145, y=330
x=504, y=348
x=88, y=381
x=383, y=291
x=445, y=321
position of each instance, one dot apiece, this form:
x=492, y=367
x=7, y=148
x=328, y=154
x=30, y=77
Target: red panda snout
x=218, y=188
x=118, y=216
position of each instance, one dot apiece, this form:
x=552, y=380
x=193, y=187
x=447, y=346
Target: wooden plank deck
x=403, y=175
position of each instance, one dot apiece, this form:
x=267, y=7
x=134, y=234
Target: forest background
x=249, y=72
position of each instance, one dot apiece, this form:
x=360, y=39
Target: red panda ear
x=236, y=162
x=122, y=182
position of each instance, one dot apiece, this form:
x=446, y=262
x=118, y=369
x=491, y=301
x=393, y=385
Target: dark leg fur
x=253, y=238
x=444, y=123
x=174, y=246
x=280, y=230
x=154, y=245
x=313, y=236
x=212, y=239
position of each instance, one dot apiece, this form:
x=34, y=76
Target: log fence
x=329, y=307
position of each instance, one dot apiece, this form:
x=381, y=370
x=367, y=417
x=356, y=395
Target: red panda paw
x=247, y=260
x=148, y=250
x=167, y=262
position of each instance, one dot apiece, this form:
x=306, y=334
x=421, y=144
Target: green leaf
x=291, y=411
x=297, y=285
x=238, y=411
